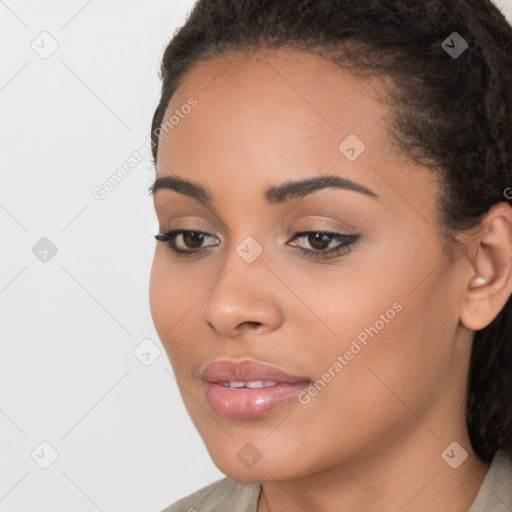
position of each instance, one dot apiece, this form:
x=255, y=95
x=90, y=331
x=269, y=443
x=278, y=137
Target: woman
x=332, y=275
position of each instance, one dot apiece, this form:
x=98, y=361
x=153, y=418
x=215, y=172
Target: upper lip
x=223, y=370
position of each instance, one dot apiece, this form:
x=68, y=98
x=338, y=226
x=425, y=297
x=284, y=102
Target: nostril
x=250, y=322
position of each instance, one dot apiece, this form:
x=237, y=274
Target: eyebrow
x=274, y=195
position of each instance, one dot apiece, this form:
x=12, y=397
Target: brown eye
x=320, y=242
x=191, y=241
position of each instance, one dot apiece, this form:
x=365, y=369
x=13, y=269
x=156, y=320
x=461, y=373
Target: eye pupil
x=193, y=239
x=323, y=238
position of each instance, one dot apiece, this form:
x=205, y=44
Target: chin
x=274, y=467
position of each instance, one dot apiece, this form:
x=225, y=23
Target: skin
x=372, y=438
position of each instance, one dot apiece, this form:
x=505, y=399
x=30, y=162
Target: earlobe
x=490, y=274
x=478, y=281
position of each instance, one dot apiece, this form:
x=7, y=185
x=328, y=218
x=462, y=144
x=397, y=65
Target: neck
x=410, y=478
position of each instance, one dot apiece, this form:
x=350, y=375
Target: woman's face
x=375, y=325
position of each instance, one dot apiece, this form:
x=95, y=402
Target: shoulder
x=495, y=493
x=222, y=495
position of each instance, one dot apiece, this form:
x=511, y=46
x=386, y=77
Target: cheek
x=166, y=297
x=395, y=358
x=394, y=321
x=157, y=296
x=175, y=302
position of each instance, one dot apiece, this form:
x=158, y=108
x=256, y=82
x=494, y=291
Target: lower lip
x=246, y=403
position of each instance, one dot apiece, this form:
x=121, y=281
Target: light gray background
x=69, y=324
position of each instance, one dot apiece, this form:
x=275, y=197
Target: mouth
x=248, y=389
x=252, y=384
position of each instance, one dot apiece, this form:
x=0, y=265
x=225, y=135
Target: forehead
x=291, y=77
x=290, y=99
x=274, y=116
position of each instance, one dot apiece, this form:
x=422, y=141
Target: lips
x=248, y=389
x=247, y=371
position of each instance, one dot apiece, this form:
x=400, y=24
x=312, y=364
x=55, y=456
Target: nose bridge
x=244, y=267
x=246, y=252
x=242, y=294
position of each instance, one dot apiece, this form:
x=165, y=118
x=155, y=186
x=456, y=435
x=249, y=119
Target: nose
x=244, y=299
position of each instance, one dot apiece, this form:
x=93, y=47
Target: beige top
x=227, y=495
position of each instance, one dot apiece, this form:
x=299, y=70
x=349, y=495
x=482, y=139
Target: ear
x=489, y=279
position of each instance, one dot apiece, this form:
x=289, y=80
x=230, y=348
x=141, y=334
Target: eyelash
x=346, y=244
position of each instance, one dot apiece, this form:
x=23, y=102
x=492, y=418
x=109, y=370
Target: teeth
x=250, y=384
x=254, y=384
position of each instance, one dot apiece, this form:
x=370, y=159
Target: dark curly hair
x=451, y=113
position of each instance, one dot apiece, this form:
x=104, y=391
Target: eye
x=186, y=242
x=320, y=241
x=191, y=240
